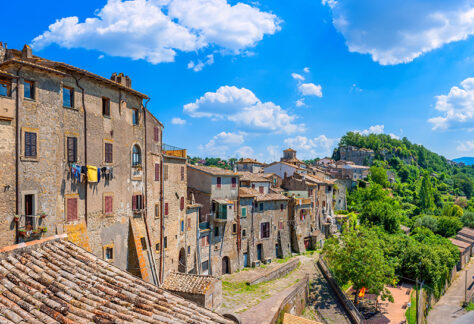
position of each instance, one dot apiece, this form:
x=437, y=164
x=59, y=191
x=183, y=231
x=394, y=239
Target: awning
x=223, y=202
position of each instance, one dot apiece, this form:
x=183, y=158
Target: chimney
x=26, y=52
x=122, y=79
x=3, y=51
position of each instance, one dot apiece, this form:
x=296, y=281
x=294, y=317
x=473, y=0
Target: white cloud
x=310, y=89
x=297, y=76
x=457, y=108
x=306, y=69
x=300, y=103
x=245, y=151
x=242, y=107
x=273, y=153
x=220, y=144
x=467, y=146
x=376, y=129
x=309, y=148
x=178, y=121
x=154, y=30
x=355, y=88
x=394, y=32
x=199, y=65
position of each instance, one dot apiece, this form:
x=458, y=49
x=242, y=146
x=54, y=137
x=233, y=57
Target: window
x=244, y=212
x=157, y=211
x=165, y=172
x=137, y=202
x=157, y=247
x=165, y=242
x=157, y=172
x=253, y=185
x=135, y=117
x=182, y=226
x=261, y=206
x=5, y=88
x=265, y=230
x=282, y=207
x=71, y=209
x=72, y=149
x=189, y=223
x=204, y=241
x=109, y=153
x=166, y=209
x=182, y=173
x=234, y=182
x=280, y=225
x=234, y=228
x=244, y=233
x=136, y=156
x=68, y=97
x=205, y=265
x=108, y=205
x=219, y=180
x=181, y=203
x=143, y=243
x=261, y=189
x=30, y=144
x=105, y=107
x=29, y=89
x=216, y=231
x=156, y=134
x=189, y=249
x=109, y=253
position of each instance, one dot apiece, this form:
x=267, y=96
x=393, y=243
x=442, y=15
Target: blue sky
x=248, y=78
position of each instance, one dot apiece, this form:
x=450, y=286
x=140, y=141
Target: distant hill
x=466, y=160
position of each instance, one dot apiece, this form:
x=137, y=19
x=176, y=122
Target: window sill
x=7, y=97
x=72, y=108
x=105, y=116
x=109, y=215
x=29, y=159
x=29, y=99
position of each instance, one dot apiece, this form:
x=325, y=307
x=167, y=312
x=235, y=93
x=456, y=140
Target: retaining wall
x=278, y=272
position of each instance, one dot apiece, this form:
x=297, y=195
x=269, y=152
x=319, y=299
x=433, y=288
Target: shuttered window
x=166, y=209
x=182, y=173
x=106, y=107
x=71, y=209
x=157, y=211
x=181, y=203
x=109, y=204
x=72, y=149
x=219, y=182
x=265, y=230
x=137, y=202
x=260, y=189
x=189, y=223
x=157, y=172
x=165, y=177
x=30, y=144
x=244, y=212
x=109, y=153
x=156, y=134
x=234, y=182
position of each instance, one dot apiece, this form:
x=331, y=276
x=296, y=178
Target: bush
x=468, y=219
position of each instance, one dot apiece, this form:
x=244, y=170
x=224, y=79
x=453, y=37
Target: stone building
x=79, y=159
x=249, y=165
x=360, y=156
x=217, y=191
x=264, y=226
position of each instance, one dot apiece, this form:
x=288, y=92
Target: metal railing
x=29, y=222
x=173, y=151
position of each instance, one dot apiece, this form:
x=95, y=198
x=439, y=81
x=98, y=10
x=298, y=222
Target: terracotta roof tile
x=35, y=65
x=248, y=160
x=57, y=281
x=255, y=177
x=188, y=283
x=213, y=170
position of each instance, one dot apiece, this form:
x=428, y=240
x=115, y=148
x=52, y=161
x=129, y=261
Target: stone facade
x=356, y=155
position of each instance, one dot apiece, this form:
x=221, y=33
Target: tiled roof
x=289, y=150
x=249, y=192
x=255, y=177
x=248, y=160
x=35, y=65
x=319, y=180
x=293, y=319
x=55, y=281
x=188, y=283
x=460, y=244
x=466, y=231
x=7, y=75
x=213, y=170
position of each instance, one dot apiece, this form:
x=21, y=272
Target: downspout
x=17, y=153
x=85, y=140
x=145, y=218
x=162, y=203
x=239, y=238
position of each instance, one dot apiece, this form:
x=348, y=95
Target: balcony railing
x=174, y=151
x=29, y=225
x=204, y=225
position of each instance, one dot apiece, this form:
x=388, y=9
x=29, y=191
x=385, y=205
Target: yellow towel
x=91, y=173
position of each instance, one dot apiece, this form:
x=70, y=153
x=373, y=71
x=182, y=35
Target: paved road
x=448, y=308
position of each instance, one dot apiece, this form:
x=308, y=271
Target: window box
x=16, y=218
x=43, y=215
x=23, y=232
x=138, y=167
x=43, y=229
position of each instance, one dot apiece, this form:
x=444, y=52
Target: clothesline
x=92, y=173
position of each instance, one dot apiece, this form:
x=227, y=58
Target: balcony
x=219, y=217
x=204, y=226
x=29, y=225
x=174, y=151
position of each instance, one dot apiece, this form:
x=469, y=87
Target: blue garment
x=98, y=174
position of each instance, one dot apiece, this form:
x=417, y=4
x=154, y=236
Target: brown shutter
x=157, y=134
x=260, y=189
x=33, y=144
x=181, y=203
x=166, y=209
x=134, y=202
x=109, y=204
x=109, y=156
x=182, y=173
x=157, y=172
x=71, y=205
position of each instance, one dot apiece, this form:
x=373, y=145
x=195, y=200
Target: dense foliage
x=215, y=162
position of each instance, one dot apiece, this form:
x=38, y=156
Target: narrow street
x=449, y=307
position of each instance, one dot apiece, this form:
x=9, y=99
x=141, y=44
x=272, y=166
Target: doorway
x=259, y=252
x=29, y=211
x=246, y=260
x=182, y=261
x=225, y=265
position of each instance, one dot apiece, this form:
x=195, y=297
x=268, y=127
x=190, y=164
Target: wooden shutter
x=156, y=134
x=181, y=203
x=182, y=173
x=218, y=182
x=71, y=149
x=109, y=204
x=109, y=152
x=166, y=173
x=234, y=182
x=134, y=202
x=260, y=189
x=71, y=209
x=157, y=172
x=166, y=209
x=30, y=144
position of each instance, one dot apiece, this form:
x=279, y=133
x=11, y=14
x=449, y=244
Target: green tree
x=448, y=226
x=468, y=219
x=379, y=176
x=383, y=213
x=357, y=257
x=426, y=194
x=427, y=221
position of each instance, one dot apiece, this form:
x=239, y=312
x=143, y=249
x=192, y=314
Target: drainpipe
x=85, y=140
x=239, y=238
x=145, y=217
x=17, y=153
x=162, y=203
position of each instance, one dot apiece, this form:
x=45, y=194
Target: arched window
x=136, y=156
